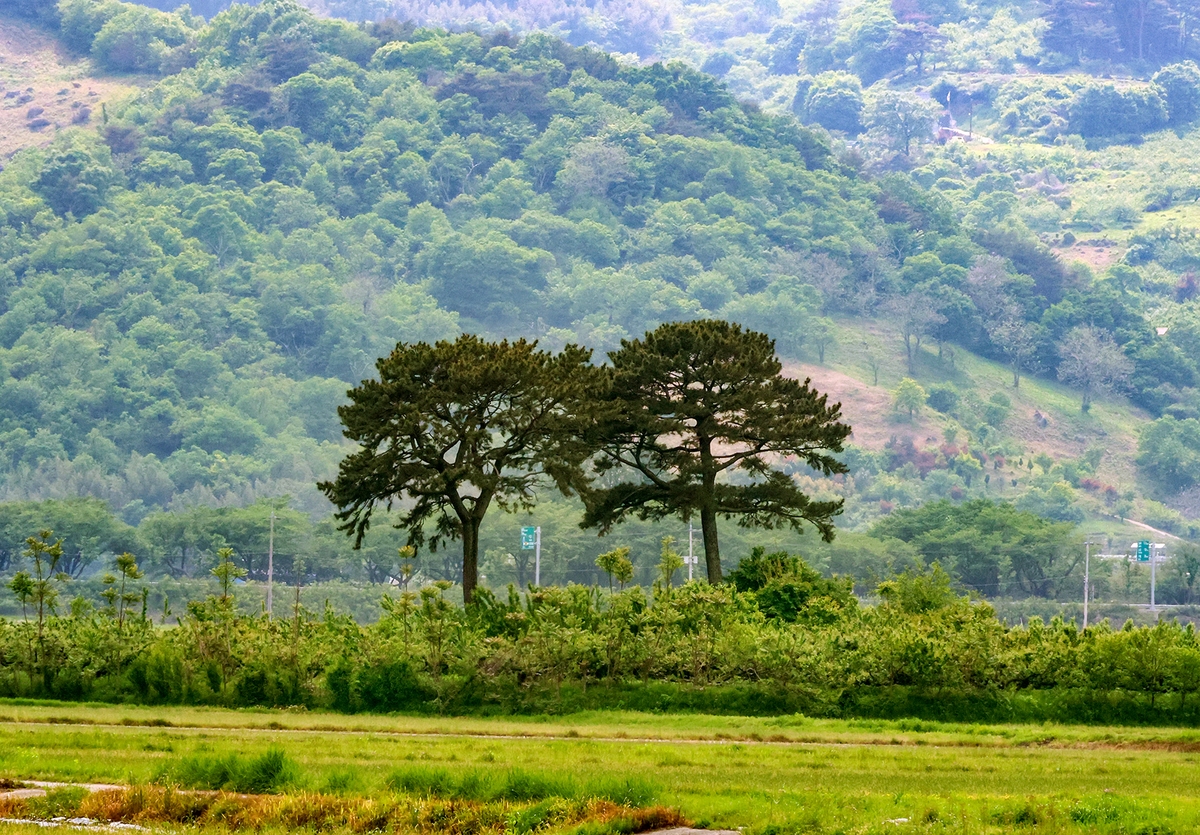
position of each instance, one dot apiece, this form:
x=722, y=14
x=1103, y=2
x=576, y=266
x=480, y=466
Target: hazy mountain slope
x=189, y=287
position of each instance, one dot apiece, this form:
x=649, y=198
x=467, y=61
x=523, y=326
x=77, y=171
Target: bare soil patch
x=1099, y=255
x=867, y=408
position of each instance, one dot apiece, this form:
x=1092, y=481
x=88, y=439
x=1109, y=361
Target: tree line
x=777, y=638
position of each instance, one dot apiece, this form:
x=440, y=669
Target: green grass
x=1112, y=423
x=784, y=774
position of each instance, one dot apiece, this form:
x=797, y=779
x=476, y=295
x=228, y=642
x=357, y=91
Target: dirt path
x=1146, y=527
x=39, y=788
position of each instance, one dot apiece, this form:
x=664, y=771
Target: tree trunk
x=470, y=542
x=1141, y=38
x=712, y=551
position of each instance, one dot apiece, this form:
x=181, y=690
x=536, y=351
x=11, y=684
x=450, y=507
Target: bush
x=383, y=687
x=137, y=39
x=515, y=784
x=997, y=409
x=785, y=587
x=943, y=398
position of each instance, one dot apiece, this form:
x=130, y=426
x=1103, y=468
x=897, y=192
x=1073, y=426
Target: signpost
x=531, y=540
x=1149, y=552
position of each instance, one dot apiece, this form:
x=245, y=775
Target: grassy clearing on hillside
x=1112, y=423
x=830, y=776
x=45, y=78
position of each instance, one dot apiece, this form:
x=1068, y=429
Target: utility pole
x=691, y=556
x=1087, y=557
x=1153, y=560
x=537, y=559
x=271, y=570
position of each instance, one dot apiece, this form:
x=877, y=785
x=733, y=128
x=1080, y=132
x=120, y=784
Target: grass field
x=788, y=774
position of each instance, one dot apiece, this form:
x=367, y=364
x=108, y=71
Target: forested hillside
x=191, y=287
x=192, y=277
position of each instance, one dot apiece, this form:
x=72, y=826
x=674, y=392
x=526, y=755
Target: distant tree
x=914, y=41
x=1079, y=29
x=487, y=276
x=987, y=545
x=1093, y=362
x=872, y=353
x=74, y=181
x=87, y=529
x=914, y=315
x=909, y=397
x=1101, y=109
x=44, y=12
x=592, y=168
x=1180, y=86
x=692, y=401
x=944, y=398
x=822, y=334
x=1185, y=566
x=835, y=100
x=864, y=41
x=41, y=589
x=901, y=118
x=449, y=429
x=80, y=20
x=785, y=586
x=137, y=39
x=669, y=562
x=127, y=567
x=1018, y=341
x=1169, y=452
x=616, y=565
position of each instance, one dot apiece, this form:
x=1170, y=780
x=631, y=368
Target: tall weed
x=518, y=785
x=265, y=774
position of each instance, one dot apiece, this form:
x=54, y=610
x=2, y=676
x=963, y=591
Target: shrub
x=786, y=587
x=943, y=398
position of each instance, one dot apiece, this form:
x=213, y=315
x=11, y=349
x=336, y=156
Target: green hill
x=189, y=288
x=189, y=283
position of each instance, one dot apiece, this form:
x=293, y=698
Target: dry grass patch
x=228, y=811
x=43, y=89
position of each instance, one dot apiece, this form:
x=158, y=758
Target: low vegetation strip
x=778, y=639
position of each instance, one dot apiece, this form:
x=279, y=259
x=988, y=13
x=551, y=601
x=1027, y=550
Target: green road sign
x=1143, y=551
x=528, y=538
